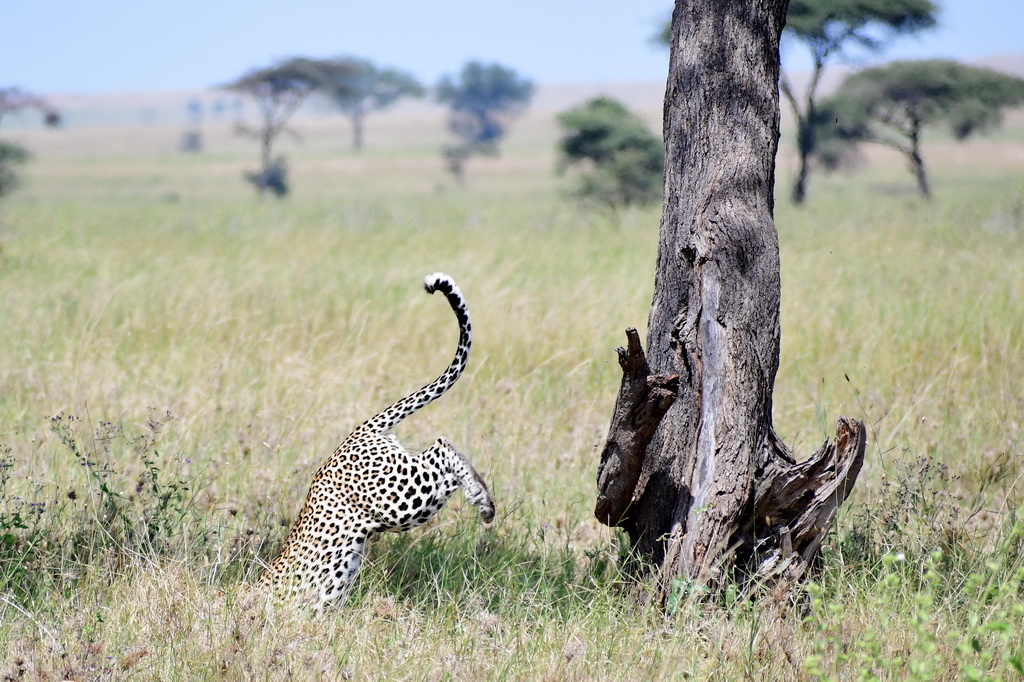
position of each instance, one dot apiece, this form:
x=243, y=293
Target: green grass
x=176, y=359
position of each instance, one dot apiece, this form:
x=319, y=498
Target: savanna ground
x=176, y=359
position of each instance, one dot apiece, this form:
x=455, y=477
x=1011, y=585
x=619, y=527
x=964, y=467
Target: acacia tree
x=12, y=155
x=278, y=91
x=692, y=468
x=827, y=28
x=891, y=104
x=359, y=87
x=483, y=101
x=621, y=160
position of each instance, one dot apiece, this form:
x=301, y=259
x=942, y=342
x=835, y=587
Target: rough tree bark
x=693, y=469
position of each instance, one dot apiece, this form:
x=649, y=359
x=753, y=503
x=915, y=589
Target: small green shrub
x=11, y=156
x=620, y=161
x=910, y=562
x=146, y=508
x=274, y=178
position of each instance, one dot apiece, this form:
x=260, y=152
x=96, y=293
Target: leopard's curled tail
x=386, y=419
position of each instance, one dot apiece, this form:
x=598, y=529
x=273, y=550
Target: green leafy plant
x=107, y=513
x=619, y=161
x=11, y=156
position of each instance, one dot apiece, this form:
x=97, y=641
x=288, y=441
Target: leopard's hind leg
x=341, y=565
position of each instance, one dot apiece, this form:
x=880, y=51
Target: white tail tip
x=439, y=280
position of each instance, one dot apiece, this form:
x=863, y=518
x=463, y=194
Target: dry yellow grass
x=137, y=282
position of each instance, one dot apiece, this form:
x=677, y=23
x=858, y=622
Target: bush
x=620, y=161
x=11, y=155
x=274, y=178
x=107, y=514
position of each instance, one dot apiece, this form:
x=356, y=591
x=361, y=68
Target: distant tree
x=359, y=87
x=278, y=91
x=14, y=100
x=827, y=28
x=483, y=100
x=621, y=160
x=191, y=141
x=891, y=104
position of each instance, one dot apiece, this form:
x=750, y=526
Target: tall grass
x=172, y=372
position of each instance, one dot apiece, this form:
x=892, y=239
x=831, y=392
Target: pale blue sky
x=86, y=46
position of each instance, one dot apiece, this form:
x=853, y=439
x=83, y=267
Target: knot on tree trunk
x=642, y=401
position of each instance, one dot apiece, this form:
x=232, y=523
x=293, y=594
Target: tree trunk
x=357, y=130
x=805, y=132
x=266, y=144
x=799, y=194
x=698, y=478
x=804, y=145
x=916, y=162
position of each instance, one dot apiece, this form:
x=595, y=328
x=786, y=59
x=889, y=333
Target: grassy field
x=177, y=358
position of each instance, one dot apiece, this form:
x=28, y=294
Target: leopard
x=373, y=485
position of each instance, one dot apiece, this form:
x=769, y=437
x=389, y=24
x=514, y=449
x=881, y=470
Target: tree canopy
x=891, y=104
x=359, y=87
x=828, y=27
x=281, y=87
x=622, y=161
x=482, y=100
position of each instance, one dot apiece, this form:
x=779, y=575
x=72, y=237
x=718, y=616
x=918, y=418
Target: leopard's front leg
x=463, y=475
